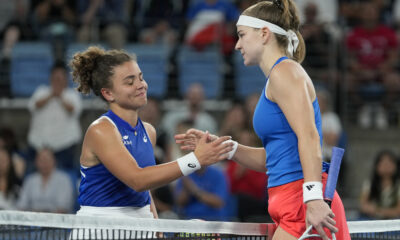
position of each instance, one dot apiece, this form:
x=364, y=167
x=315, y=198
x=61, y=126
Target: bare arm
x=43, y=101
x=251, y=157
x=104, y=142
x=89, y=14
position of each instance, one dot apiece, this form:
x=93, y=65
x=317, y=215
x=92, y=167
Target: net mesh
x=15, y=225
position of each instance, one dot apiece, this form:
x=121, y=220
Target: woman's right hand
x=209, y=152
x=189, y=140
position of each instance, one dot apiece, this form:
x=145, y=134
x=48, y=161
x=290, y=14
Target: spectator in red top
x=249, y=187
x=372, y=58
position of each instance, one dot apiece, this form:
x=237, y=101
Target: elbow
x=138, y=185
x=308, y=137
x=140, y=188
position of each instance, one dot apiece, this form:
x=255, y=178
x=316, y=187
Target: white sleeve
x=40, y=93
x=72, y=97
x=23, y=200
x=65, y=193
x=331, y=123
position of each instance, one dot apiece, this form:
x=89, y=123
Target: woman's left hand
x=319, y=215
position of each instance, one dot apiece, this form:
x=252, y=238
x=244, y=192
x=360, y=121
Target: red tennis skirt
x=287, y=210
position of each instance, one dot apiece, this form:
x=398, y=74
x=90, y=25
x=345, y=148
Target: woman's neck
x=130, y=116
x=269, y=58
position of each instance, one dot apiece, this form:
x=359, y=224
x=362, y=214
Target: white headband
x=258, y=23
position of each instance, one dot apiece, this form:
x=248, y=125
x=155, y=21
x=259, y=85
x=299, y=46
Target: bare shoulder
x=98, y=131
x=151, y=131
x=288, y=78
x=288, y=71
x=101, y=127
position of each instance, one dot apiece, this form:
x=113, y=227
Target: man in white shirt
x=55, y=113
x=48, y=189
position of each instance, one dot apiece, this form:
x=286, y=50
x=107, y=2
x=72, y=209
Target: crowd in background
x=352, y=53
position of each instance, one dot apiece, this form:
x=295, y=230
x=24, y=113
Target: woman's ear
x=107, y=94
x=265, y=34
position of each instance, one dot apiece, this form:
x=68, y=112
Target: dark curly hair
x=93, y=68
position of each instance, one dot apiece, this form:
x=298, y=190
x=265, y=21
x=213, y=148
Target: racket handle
x=337, y=155
x=329, y=202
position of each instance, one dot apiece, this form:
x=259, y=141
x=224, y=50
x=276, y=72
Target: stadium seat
x=204, y=67
x=153, y=61
x=30, y=65
x=248, y=79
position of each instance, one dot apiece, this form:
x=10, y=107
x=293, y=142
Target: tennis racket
x=333, y=173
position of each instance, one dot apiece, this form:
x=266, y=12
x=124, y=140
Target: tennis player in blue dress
x=288, y=121
x=117, y=160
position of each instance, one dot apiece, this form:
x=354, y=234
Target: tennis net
x=17, y=225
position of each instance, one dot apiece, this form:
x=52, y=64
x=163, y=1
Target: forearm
x=67, y=106
x=310, y=158
x=42, y=102
x=251, y=157
x=182, y=198
x=155, y=176
x=209, y=199
x=393, y=212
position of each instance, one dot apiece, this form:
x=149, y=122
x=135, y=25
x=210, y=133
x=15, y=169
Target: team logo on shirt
x=144, y=138
x=126, y=141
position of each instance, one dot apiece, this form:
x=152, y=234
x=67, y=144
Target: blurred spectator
x=151, y=113
x=251, y=102
x=328, y=10
x=17, y=27
x=380, y=195
x=48, y=189
x=54, y=21
x=234, y=121
x=161, y=21
x=212, y=22
x=349, y=12
x=194, y=111
x=373, y=81
x=331, y=125
x=55, y=123
x=103, y=20
x=9, y=183
x=203, y=195
x=385, y=8
x=317, y=39
x=249, y=187
x=14, y=26
x=9, y=142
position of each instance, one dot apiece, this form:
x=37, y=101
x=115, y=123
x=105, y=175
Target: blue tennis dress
x=280, y=141
x=100, y=188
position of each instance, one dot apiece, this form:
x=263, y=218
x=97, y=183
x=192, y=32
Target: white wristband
x=188, y=164
x=233, y=151
x=312, y=191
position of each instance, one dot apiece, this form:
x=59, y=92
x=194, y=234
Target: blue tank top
x=100, y=188
x=280, y=141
